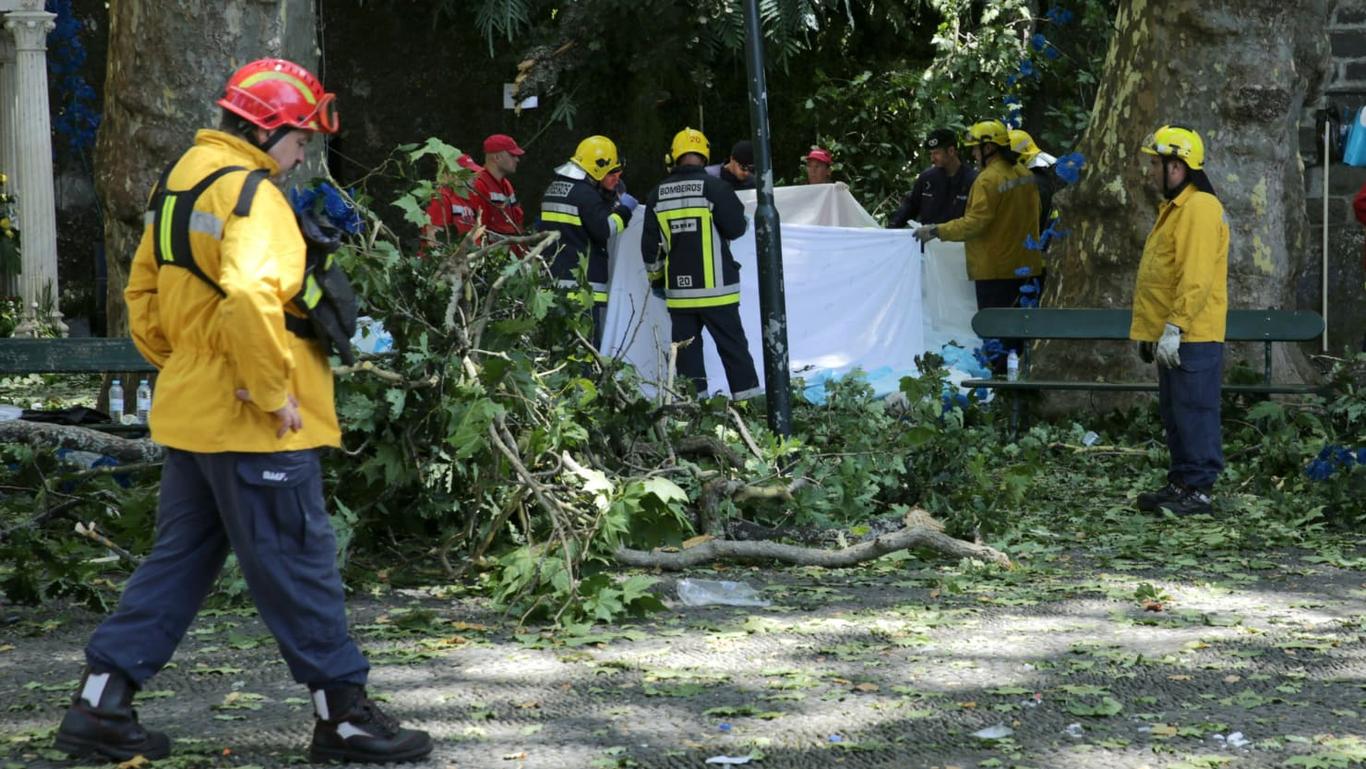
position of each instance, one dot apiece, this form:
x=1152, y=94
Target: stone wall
x=1345, y=94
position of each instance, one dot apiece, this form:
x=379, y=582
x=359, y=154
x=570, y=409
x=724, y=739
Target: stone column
x=7, y=105
x=9, y=284
x=33, y=130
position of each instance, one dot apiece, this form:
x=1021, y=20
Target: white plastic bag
x=709, y=592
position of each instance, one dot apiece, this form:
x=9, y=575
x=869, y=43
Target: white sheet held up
x=856, y=296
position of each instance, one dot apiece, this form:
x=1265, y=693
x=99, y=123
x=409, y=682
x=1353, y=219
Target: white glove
x=1169, y=346
x=927, y=233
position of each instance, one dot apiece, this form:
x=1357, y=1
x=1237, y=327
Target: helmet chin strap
x=273, y=139
x=1167, y=190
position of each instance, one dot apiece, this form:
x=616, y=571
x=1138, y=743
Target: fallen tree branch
x=730, y=550
x=744, y=433
x=711, y=446
x=45, y=435
x=366, y=367
x=1096, y=449
x=93, y=534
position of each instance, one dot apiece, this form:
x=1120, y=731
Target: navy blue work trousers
x=723, y=323
x=1188, y=400
x=268, y=509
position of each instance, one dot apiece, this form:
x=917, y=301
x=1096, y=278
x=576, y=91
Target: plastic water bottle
x=1012, y=366
x=144, y=401
x=116, y=402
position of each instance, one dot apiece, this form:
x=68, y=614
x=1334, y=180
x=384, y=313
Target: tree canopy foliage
x=869, y=80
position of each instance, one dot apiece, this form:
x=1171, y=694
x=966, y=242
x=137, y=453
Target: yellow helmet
x=1023, y=145
x=689, y=140
x=988, y=132
x=597, y=156
x=1174, y=141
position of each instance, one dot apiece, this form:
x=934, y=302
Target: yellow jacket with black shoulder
x=1183, y=276
x=1003, y=209
x=208, y=345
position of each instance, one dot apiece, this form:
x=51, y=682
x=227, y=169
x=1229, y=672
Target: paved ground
x=892, y=665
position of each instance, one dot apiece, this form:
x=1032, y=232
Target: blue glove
x=629, y=200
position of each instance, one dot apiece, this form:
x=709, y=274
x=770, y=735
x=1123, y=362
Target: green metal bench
x=77, y=355
x=1265, y=326
x=83, y=355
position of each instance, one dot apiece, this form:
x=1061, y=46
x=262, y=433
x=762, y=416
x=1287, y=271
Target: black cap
x=941, y=137
x=743, y=152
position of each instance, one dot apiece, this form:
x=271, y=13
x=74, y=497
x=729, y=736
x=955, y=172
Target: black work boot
x=352, y=728
x=1149, y=501
x=1192, y=501
x=101, y=722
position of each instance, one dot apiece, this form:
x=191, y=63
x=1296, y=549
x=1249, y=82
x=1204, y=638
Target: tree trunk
x=168, y=61
x=1237, y=71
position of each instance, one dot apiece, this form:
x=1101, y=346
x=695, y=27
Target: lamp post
x=768, y=243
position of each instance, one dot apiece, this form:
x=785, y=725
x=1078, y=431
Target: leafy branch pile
x=492, y=443
x=496, y=432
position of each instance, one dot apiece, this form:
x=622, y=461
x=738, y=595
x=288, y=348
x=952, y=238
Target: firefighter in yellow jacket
x=243, y=405
x=1180, y=308
x=1002, y=214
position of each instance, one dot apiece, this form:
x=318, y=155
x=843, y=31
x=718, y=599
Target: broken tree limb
x=712, y=446
x=43, y=435
x=730, y=550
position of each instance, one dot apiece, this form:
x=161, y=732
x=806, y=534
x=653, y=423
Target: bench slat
x=1113, y=324
x=1273, y=325
x=79, y=355
x=1259, y=389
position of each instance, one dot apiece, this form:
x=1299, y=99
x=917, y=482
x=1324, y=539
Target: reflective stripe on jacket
x=208, y=346
x=1183, y=275
x=690, y=219
x=586, y=216
x=495, y=202
x=1003, y=208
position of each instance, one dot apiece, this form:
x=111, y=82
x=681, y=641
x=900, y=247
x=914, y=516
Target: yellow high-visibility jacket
x=207, y=345
x=1003, y=209
x=1183, y=275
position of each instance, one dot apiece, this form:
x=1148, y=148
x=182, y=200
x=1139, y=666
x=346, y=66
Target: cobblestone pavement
x=889, y=665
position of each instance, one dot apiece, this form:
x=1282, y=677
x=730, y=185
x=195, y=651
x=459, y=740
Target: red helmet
x=273, y=92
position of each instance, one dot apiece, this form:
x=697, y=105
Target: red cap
x=502, y=143
x=822, y=155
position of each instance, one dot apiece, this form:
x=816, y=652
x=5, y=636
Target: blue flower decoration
x=340, y=211
x=1337, y=456
x=328, y=201
x=1052, y=53
x=1033, y=245
x=1068, y=168
x=990, y=352
x=1038, y=41
x=1060, y=16
x=75, y=116
x=1027, y=69
x=1318, y=470
x=1023, y=272
x=1361, y=456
